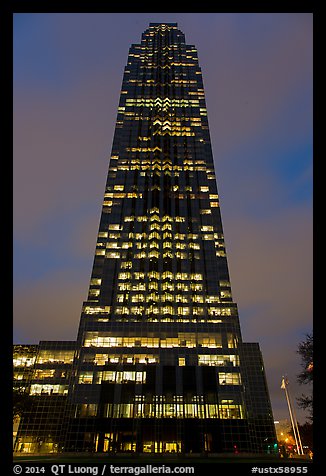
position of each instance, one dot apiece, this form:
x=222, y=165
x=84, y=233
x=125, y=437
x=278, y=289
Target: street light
x=294, y=423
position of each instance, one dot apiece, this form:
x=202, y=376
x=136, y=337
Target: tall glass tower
x=160, y=365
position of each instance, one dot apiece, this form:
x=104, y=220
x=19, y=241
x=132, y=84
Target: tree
x=306, y=433
x=21, y=402
x=305, y=377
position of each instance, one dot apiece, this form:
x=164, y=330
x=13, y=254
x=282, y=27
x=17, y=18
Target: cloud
x=49, y=308
x=254, y=77
x=60, y=149
x=270, y=264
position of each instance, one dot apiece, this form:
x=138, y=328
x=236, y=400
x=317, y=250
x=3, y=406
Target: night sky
x=257, y=72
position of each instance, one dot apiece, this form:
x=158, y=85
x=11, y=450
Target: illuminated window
x=168, y=286
x=86, y=410
x=167, y=226
x=23, y=360
x=137, y=310
x=85, y=377
x=153, y=285
x=155, y=226
x=226, y=294
x=53, y=356
x=96, y=309
x=232, y=341
x=183, y=311
x=48, y=389
x=218, y=360
x=180, y=297
x=212, y=341
x=140, y=255
x=112, y=254
x=115, y=227
x=225, y=284
x=94, y=292
x=229, y=378
x=196, y=287
x=19, y=376
x=167, y=310
x=112, y=244
x=206, y=211
x=229, y=410
x=124, y=286
x=42, y=374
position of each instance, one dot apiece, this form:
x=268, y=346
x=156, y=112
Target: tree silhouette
x=21, y=402
x=305, y=350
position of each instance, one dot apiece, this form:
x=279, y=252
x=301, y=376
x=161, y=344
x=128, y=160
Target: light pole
x=294, y=423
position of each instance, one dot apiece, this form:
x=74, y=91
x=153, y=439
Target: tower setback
x=159, y=364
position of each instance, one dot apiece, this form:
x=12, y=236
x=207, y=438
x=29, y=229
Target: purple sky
x=257, y=71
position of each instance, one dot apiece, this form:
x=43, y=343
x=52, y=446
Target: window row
x=163, y=410
x=112, y=376
x=23, y=361
x=104, y=359
x=167, y=297
x=55, y=356
x=166, y=286
x=175, y=311
x=208, y=359
x=165, y=275
x=48, y=389
x=190, y=340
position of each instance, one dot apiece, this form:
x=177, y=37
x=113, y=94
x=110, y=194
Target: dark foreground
x=136, y=459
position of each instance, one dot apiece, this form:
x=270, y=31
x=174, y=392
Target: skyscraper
x=159, y=363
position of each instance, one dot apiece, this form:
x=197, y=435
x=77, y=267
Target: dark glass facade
x=159, y=364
